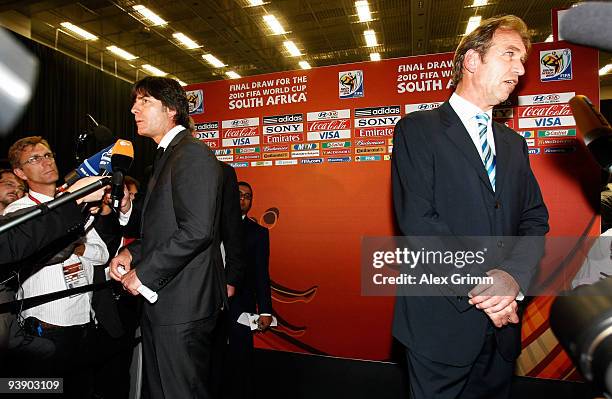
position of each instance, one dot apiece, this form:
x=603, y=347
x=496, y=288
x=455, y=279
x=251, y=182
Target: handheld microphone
x=595, y=129
x=90, y=167
x=121, y=160
x=588, y=24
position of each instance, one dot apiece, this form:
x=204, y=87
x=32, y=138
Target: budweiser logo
x=329, y=125
x=545, y=110
x=240, y=132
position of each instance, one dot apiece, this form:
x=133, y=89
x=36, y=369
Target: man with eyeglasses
x=66, y=321
x=253, y=295
x=11, y=188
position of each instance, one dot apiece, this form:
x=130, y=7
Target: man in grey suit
x=457, y=173
x=178, y=252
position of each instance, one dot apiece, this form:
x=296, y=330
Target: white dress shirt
x=168, y=137
x=68, y=311
x=467, y=113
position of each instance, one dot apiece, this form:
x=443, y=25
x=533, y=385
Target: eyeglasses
x=36, y=159
x=246, y=196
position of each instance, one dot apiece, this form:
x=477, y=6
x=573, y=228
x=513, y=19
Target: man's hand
x=504, y=316
x=263, y=323
x=131, y=282
x=496, y=296
x=93, y=197
x=123, y=259
x=231, y=290
x=79, y=250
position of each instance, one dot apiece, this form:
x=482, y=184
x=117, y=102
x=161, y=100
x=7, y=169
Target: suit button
x=500, y=244
x=497, y=205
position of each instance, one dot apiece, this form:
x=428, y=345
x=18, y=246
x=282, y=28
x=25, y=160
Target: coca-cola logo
x=240, y=132
x=537, y=111
x=329, y=125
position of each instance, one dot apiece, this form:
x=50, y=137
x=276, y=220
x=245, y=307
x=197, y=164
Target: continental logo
x=275, y=155
x=304, y=146
x=289, y=118
x=247, y=150
x=274, y=148
x=557, y=133
x=369, y=150
x=336, y=144
x=375, y=111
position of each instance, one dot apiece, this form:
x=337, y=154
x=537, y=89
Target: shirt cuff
x=124, y=218
x=265, y=314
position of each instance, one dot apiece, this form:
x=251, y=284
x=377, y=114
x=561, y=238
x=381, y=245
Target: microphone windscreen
x=123, y=155
x=104, y=137
x=588, y=24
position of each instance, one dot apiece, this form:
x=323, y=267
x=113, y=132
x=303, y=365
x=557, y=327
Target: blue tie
x=488, y=159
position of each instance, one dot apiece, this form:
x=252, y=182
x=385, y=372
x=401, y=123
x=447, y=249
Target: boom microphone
x=596, y=131
x=121, y=160
x=588, y=24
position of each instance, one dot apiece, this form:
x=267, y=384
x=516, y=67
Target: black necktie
x=158, y=154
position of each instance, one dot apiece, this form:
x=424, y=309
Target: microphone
x=121, y=160
x=588, y=24
x=90, y=167
x=595, y=129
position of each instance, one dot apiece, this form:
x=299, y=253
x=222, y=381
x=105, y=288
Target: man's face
x=496, y=75
x=152, y=118
x=132, y=191
x=11, y=189
x=246, y=198
x=37, y=166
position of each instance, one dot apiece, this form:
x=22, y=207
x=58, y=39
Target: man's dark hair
x=243, y=183
x=169, y=92
x=127, y=180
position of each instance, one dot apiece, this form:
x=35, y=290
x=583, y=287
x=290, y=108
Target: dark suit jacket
x=232, y=234
x=178, y=253
x=440, y=188
x=254, y=294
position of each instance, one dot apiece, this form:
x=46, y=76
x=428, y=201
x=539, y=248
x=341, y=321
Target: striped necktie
x=488, y=159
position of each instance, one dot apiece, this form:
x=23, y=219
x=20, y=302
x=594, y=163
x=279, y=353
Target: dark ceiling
x=326, y=31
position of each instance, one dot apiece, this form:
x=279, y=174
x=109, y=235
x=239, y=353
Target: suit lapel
x=160, y=166
x=457, y=133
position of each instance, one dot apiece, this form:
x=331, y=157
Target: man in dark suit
x=455, y=173
x=178, y=252
x=253, y=295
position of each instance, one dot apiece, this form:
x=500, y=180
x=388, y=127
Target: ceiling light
x=605, y=69
x=370, y=38
x=232, y=75
x=273, y=24
x=82, y=33
x=214, y=61
x=480, y=3
x=363, y=11
x=121, y=53
x=374, y=57
x=549, y=38
x=153, y=71
x=181, y=82
x=256, y=2
x=304, y=65
x=292, y=48
x=187, y=42
x=473, y=23
x=149, y=15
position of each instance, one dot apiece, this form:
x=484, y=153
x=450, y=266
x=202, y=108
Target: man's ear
x=19, y=173
x=471, y=60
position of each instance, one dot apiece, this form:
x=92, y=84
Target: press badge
x=74, y=275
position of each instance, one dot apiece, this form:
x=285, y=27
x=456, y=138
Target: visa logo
x=241, y=141
x=548, y=122
x=329, y=135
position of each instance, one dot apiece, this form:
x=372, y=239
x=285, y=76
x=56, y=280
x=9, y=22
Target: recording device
x=582, y=321
x=121, y=160
x=583, y=324
x=18, y=74
x=92, y=166
x=145, y=291
x=595, y=129
x=588, y=24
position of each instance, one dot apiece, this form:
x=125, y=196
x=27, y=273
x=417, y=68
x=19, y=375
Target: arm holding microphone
x=19, y=239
